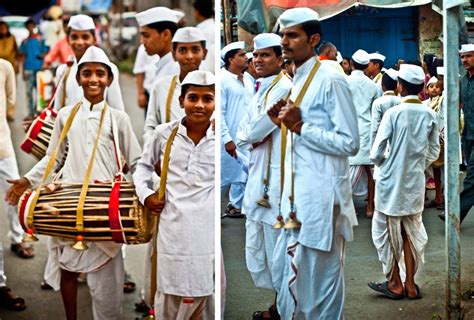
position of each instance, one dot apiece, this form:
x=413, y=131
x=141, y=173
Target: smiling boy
x=185, y=244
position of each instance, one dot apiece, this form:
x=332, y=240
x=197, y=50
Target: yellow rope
x=169, y=99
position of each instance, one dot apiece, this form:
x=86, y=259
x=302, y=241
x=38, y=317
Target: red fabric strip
x=23, y=212
x=114, y=214
x=33, y=133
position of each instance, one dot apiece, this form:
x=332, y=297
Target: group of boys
x=301, y=134
x=91, y=111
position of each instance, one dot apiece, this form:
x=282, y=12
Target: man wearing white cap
x=397, y=227
x=307, y=268
x=185, y=244
x=157, y=28
x=81, y=36
x=189, y=50
x=364, y=92
x=258, y=134
x=102, y=261
x=375, y=70
x=234, y=105
x=250, y=75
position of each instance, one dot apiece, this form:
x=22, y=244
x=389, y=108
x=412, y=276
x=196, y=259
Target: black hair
x=175, y=44
x=29, y=21
x=325, y=46
x=204, y=7
x=3, y=23
x=277, y=50
x=359, y=66
x=163, y=25
x=109, y=70
x=68, y=31
x=229, y=55
x=311, y=27
x=412, y=89
x=186, y=87
x=378, y=61
x=429, y=58
x=388, y=82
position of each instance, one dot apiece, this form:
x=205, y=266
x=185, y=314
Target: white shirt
x=249, y=83
x=412, y=133
x=75, y=93
x=255, y=127
x=380, y=105
x=234, y=105
x=328, y=137
x=145, y=63
x=156, y=113
x=7, y=100
x=186, y=231
x=364, y=92
x=208, y=29
x=165, y=66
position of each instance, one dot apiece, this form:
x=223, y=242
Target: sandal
x=232, y=212
x=128, y=284
x=22, y=250
x=142, y=306
x=45, y=286
x=384, y=290
x=10, y=300
x=417, y=296
x=271, y=314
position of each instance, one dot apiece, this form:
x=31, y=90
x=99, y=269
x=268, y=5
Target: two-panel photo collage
x=236, y=159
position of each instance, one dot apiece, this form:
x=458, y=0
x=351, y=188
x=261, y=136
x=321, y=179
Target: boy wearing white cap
x=258, y=134
x=307, y=267
x=374, y=70
x=189, y=50
x=157, y=28
x=103, y=261
x=398, y=232
x=81, y=36
x=364, y=92
x=185, y=244
x=234, y=104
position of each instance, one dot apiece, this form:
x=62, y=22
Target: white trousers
x=260, y=242
x=236, y=193
x=9, y=170
x=388, y=240
x=171, y=307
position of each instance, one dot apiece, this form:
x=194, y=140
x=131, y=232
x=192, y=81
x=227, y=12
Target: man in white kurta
x=189, y=50
x=258, y=134
x=144, y=71
x=204, y=16
x=308, y=262
x=234, y=105
x=364, y=92
x=185, y=244
x=68, y=89
x=397, y=228
x=103, y=261
x=374, y=70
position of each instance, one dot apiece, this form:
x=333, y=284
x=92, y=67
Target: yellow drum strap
x=66, y=75
x=161, y=197
x=169, y=99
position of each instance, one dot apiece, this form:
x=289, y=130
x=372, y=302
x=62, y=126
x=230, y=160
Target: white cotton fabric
x=9, y=170
x=295, y=16
x=81, y=22
x=186, y=238
x=174, y=307
x=412, y=133
x=145, y=63
x=158, y=14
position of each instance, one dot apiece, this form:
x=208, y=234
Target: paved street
x=25, y=276
x=361, y=266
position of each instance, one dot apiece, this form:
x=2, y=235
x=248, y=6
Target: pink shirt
x=61, y=51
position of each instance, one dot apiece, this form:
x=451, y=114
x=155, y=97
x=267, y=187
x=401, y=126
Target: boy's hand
x=18, y=187
x=275, y=110
x=231, y=149
x=291, y=117
x=154, y=205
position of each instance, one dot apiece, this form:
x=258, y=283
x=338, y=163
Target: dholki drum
x=39, y=134
x=112, y=212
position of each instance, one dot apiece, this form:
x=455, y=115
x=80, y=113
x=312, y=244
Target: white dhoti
x=359, y=180
x=171, y=307
x=259, y=245
x=309, y=282
x=388, y=240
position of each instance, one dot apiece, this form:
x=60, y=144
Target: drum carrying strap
x=161, y=197
x=169, y=99
x=50, y=164
x=66, y=76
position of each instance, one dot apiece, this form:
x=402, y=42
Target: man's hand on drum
x=16, y=190
x=154, y=204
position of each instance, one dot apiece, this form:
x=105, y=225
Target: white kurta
x=234, y=105
x=165, y=66
x=156, y=113
x=208, y=27
x=186, y=232
x=412, y=133
x=74, y=92
x=145, y=63
x=380, y=105
x=364, y=92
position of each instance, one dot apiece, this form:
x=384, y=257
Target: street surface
x=25, y=276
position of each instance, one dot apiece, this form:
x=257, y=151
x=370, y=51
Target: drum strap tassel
x=80, y=243
x=151, y=315
x=30, y=236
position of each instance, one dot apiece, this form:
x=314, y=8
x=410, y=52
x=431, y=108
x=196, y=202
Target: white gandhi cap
x=158, y=14
x=392, y=74
x=188, y=34
x=376, y=56
x=431, y=81
x=411, y=73
x=81, y=22
x=266, y=40
x=467, y=48
x=95, y=54
x=361, y=57
x=232, y=46
x=199, y=78
x=339, y=58
x=296, y=16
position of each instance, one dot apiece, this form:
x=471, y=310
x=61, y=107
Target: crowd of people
x=92, y=140
x=305, y=132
